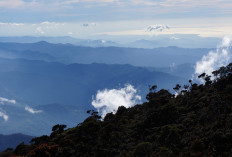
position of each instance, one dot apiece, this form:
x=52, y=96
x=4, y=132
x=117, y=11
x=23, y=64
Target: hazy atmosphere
x=103, y=18
x=119, y=78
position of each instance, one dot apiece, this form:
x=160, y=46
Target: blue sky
x=88, y=18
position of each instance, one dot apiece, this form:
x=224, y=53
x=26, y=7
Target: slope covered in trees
x=197, y=122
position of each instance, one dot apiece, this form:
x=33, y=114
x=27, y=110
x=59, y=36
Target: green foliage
x=143, y=149
x=40, y=140
x=198, y=145
x=163, y=152
x=57, y=129
x=196, y=123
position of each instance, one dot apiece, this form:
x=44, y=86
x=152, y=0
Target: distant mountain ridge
x=40, y=123
x=66, y=53
x=30, y=75
x=11, y=141
x=64, y=92
x=63, y=40
x=179, y=40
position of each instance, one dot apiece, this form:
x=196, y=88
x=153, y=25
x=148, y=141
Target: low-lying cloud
x=32, y=111
x=5, y=100
x=3, y=115
x=108, y=100
x=215, y=59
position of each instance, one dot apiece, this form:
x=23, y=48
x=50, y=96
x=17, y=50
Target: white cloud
x=174, y=38
x=88, y=24
x=70, y=33
x=48, y=23
x=157, y=28
x=11, y=3
x=184, y=4
x=172, y=67
x=107, y=101
x=17, y=24
x=11, y=24
x=45, y=23
x=2, y=24
x=48, y=28
x=215, y=59
x=2, y=112
x=40, y=30
x=4, y=115
x=96, y=1
x=32, y=111
x=5, y=100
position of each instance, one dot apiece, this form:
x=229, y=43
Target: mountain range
x=39, y=84
x=148, y=42
x=55, y=83
x=194, y=123
x=67, y=53
x=11, y=141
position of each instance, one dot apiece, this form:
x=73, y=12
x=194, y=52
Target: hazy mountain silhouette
x=70, y=88
x=11, y=141
x=67, y=53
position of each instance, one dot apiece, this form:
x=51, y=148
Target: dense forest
x=197, y=122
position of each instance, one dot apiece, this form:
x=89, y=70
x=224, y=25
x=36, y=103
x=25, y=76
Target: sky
x=92, y=18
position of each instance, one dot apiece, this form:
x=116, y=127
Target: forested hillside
x=197, y=122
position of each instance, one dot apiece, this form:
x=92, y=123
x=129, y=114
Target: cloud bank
x=32, y=111
x=107, y=101
x=215, y=59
